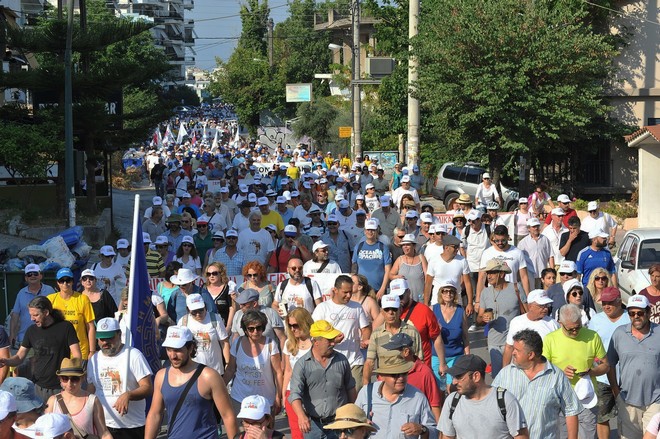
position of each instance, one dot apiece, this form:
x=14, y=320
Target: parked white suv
x=639, y=250
x=454, y=180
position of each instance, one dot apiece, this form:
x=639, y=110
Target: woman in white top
x=487, y=192
x=298, y=343
x=187, y=255
x=574, y=292
x=209, y=331
x=254, y=364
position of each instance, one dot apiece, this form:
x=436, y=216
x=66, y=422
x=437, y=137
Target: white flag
x=181, y=135
x=215, y=145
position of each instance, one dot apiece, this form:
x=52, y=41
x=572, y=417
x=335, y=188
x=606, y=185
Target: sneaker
x=473, y=328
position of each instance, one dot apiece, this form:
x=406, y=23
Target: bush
x=620, y=209
x=580, y=204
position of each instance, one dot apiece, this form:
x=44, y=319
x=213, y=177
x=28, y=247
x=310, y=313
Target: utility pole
x=68, y=119
x=413, y=103
x=270, y=42
x=357, y=100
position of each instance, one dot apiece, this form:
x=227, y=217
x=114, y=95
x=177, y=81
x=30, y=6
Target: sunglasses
x=577, y=293
x=636, y=313
x=294, y=325
x=296, y=268
x=162, y=246
x=197, y=312
x=255, y=328
x=333, y=224
x=500, y=241
x=217, y=239
x=66, y=379
x=212, y=273
x=459, y=220
x=348, y=432
x=201, y=225
x=576, y=329
x=448, y=291
x=252, y=275
x=565, y=274
x=32, y=274
x=186, y=245
x=390, y=309
x=440, y=233
x=603, y=278
x=88, y=278
x=65, y=280
x=400, y=236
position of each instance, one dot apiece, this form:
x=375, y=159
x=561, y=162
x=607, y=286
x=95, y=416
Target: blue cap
x=64, y=272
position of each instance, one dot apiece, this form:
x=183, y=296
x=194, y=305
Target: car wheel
x=511, y=206
x=449, y=199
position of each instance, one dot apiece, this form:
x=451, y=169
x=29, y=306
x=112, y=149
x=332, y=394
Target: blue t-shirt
x=371, y=260
x=23, y=298
x=588, y=260
x=451, y=332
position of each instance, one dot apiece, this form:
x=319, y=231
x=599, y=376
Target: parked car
x=454, y=180
x=639, y=250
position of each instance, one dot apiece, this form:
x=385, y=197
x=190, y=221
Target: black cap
x=450, y=240
x=467, y=363
x=398, y=341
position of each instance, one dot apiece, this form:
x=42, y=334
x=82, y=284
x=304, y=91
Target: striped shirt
x=545, y=397
x=155, y=263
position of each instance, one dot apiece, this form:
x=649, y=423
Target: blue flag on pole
x=142, y=320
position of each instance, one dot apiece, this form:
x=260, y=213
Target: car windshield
x=649, y=253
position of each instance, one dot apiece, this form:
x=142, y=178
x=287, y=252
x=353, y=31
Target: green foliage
x=620, y=209
x=316, y=120
x=580, y=204
x=254, y=17
x=504, y=78
x=182, y=95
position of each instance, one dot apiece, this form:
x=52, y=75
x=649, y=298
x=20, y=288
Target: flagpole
x=131, y=284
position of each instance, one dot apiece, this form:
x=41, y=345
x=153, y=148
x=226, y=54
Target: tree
x=316, y=120
x=505, y=78
x=111, y=54
x=254, y=20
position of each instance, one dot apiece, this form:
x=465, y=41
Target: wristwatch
x=424, y=429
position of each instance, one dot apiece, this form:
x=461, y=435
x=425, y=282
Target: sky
x=218, y=26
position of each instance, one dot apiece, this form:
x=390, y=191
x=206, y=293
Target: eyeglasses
x=447, y=291
x=212, y=273
x=459, y=220
x=162, y=246
x=231, y=237
x=255, y=328
x=293, y=325
x=66, y=379
x=88, y=278
x=500, y=241
x=577, y=293
x=566, y=274
x=32, y=274
x=573, y=330
x=636, y=313
x=65, y=280
x=333, y=224
x=252, y=275
x=296, y=268
x=217, y=239
x=602, y=278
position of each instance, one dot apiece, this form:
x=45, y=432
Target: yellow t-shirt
x=293, y=172
x=273, y=218
x=578, y=352
x=77, y=310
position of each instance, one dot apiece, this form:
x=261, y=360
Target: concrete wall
x=624, y=167
x=649, y=177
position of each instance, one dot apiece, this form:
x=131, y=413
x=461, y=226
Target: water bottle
x=442, y=382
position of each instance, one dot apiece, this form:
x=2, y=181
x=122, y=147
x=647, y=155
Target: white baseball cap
x=558, y=211
x=405, y=179
x=538, y=296
x=162, y=240
x=49, y=426
x=107, y=250
x=29, y=268
x=563, y=198
x=157, y=201
x=593, y=205
x=426, y=217
x=390, y=301
x=531, y=222
x=638, y=301
x=195, y=301
x=146, y=238
x=122, y=243
x=584, y=389
x=263, y=201
x=290, y=230
x=188, y=240
x=254, y=407
x=252, y=198
x=448, y=283
x=318, y=245
x=370, y=225
x=567, y=267
x=398, y=286
x=177, y=337
x=598, y=233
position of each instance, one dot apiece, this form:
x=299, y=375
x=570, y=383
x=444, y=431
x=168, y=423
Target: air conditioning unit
x=379, y=67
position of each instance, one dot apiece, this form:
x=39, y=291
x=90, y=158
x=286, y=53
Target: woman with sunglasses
x=351, y=423
x=188, y=222
x=254, y=364
x=298, y=343
x=254, y=277
x=83, y=408
x=598, y=280
x=77, y=309
x=459, y=222
x=187, y=256
x=410, y=266
x=102, y=302
x=487, y=192
x=221, y=288
x=574, y=293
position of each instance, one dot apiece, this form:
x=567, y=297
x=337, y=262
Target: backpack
x=308, y=284
x=500, y=403
x=469, y=227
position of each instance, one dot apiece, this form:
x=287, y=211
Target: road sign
x=345, y=132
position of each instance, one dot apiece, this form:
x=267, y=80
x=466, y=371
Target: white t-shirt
x=513, y=257
x=166, y=211
x=349, y=319
x=604, y=222
x=240, y=223
x=255, y=245
x=553, y=236
x=297, y=296
x=442, y=270
x=485, y=195
x=300, y=213
x=433, y=252
x=293, y=359
x=105, y=279
x=311, y=267
x=208, y=336
x=544, y=326
x=254, y=375
x=193, y=264
x=216, y=221
x=108, y=374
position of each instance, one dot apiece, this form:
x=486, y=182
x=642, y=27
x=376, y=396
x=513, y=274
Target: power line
x=235, y=15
